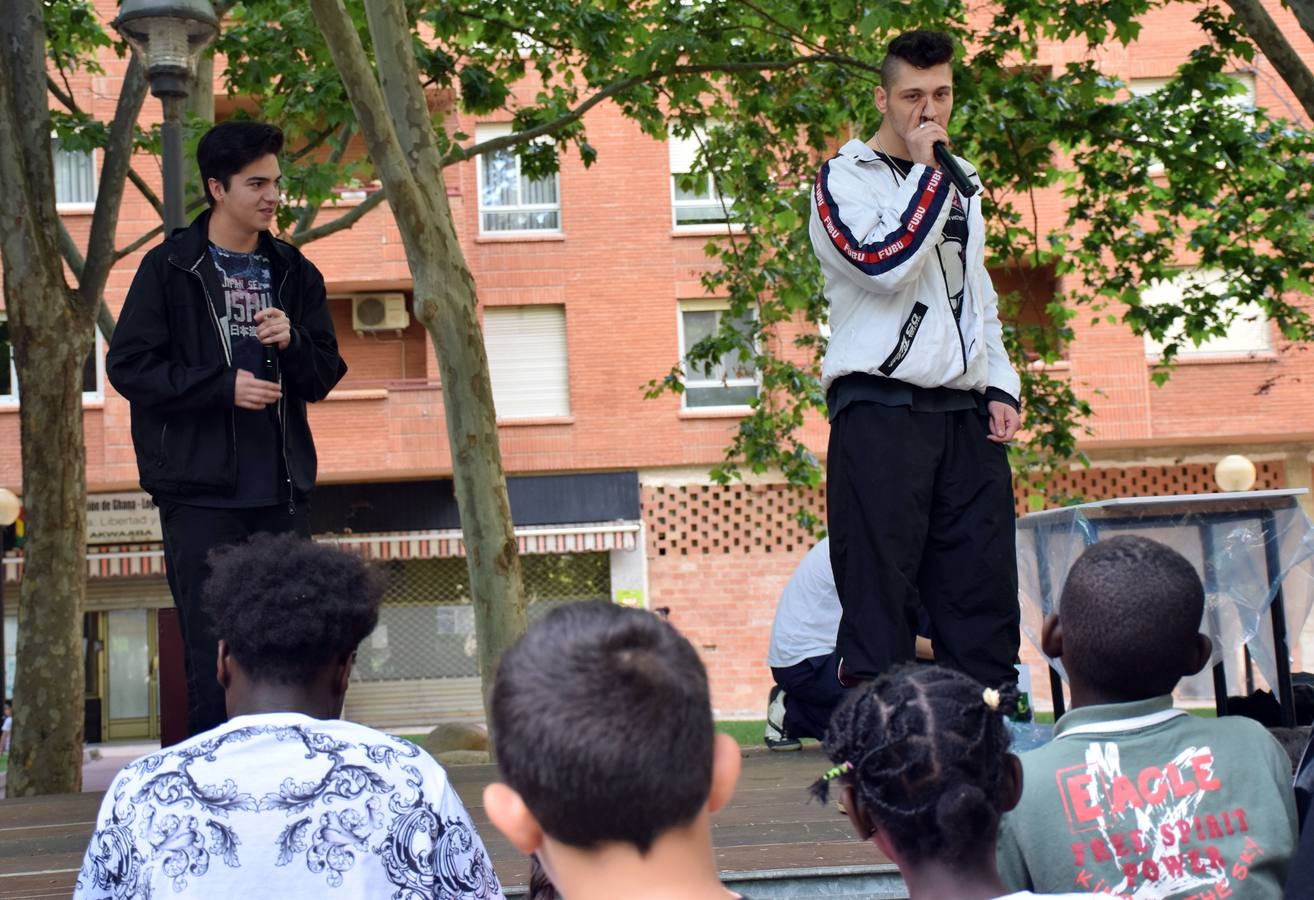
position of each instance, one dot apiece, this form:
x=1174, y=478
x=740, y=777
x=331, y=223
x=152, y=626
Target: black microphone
x=271, y=363
x=952, y=169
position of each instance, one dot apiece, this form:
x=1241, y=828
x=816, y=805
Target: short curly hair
x=1130, y=609
x=287, y=606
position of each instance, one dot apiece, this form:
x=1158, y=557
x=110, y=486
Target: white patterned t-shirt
x=285, y=805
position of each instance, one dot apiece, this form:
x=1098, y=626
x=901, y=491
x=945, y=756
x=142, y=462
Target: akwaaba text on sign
x=130, y=517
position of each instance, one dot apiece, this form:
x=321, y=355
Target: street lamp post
x=9, y=510
x=168, y=37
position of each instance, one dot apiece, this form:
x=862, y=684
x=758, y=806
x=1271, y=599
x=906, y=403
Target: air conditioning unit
x=379, y=312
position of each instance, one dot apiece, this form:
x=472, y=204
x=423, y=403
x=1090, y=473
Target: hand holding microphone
x=928, y=143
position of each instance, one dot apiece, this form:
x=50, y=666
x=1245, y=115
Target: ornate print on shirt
x=424, y=854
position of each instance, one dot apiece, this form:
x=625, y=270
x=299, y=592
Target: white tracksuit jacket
x=876, y=236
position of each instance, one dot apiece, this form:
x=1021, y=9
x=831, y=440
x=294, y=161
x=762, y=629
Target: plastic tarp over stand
x=1254, y=551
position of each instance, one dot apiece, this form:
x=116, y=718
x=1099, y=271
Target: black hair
x=925, y=753
x=231, y=146
x=603, y=724
x=288, y=606
x=919, y=49
x=1129, y=611
x=540, y=886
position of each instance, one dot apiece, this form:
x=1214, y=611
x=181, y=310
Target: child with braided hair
x=922, y=756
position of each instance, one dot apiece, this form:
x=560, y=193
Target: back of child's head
x=925, y=749
x=603, y=724
x=1130, y=610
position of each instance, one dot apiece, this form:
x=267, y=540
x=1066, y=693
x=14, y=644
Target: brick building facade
x=600, y=320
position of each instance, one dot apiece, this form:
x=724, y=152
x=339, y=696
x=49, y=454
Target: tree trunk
x=399, y=133
x=1304, y=11
x=1273, y=44
x=51, y=330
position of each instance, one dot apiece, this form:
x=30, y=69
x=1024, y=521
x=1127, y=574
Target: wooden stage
x=771, y=841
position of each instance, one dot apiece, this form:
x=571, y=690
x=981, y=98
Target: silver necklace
x=899, y=175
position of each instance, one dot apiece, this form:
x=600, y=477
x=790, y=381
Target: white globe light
x=10, y=507
x=1235, y=473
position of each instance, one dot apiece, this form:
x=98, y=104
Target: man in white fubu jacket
x=922, y=398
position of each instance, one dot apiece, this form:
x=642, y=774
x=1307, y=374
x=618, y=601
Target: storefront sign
x=122, y=518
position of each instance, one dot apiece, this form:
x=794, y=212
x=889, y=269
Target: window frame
x=1150, y=85
x=488, y=131
x=1187, y=351
x=13, y=400
x=718, y=305
x=76, y=206
x=554, y=415
x=714, y=195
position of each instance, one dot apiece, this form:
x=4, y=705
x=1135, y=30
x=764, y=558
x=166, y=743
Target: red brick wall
x=719, y=557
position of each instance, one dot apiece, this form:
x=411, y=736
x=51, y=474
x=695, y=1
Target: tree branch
x=399, y=79
x=1269, y=38
x=72, y=106
x=404, y=195
x=140, y=184
x=69, y=250
x=113, y=176
x=459, y=154
x=344, y=221
x=1304, y=10
x=308, y=213
x=139, y=243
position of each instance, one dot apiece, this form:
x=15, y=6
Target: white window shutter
x=684, y=152
x=527, y=361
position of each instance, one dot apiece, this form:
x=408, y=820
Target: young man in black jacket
x=224, y=337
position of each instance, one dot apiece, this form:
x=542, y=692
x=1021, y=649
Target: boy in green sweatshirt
x=1133, y=797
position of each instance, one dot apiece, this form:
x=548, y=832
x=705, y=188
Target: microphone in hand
x=951, y=168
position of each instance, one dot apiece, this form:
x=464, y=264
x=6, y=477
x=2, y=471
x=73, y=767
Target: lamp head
x=10, y=507
x=169, y=37
x=1235, y=473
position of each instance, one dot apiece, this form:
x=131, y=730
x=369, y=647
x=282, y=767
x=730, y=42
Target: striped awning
x=144, y=560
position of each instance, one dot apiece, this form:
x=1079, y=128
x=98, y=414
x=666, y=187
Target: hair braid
x=926, y=754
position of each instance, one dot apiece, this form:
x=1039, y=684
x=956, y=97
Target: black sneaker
x=776, y=737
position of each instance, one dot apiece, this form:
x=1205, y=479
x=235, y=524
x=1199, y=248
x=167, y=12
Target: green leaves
x=1188, y=175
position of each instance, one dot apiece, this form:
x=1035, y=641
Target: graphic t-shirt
x=1144, y=801
x=953, y=255
x=247, y=285
x=283, y=805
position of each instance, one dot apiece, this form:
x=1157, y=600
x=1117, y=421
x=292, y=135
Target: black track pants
x=920, y=512
x=190, y=533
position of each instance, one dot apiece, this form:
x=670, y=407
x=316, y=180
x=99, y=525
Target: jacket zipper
x=956, y=319
x=967, y=284
x=282, y=419
x=219, y=335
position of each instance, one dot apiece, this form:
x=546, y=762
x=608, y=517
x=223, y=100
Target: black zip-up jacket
x=170, y=359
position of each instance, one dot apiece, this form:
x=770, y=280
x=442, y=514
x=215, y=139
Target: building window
x=1247, y=334
x=728, y=382
x=527, y=361
x=1236, y=102
x=508, y=201
x=93, y=369
x=694, y=197
x=75, y=176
